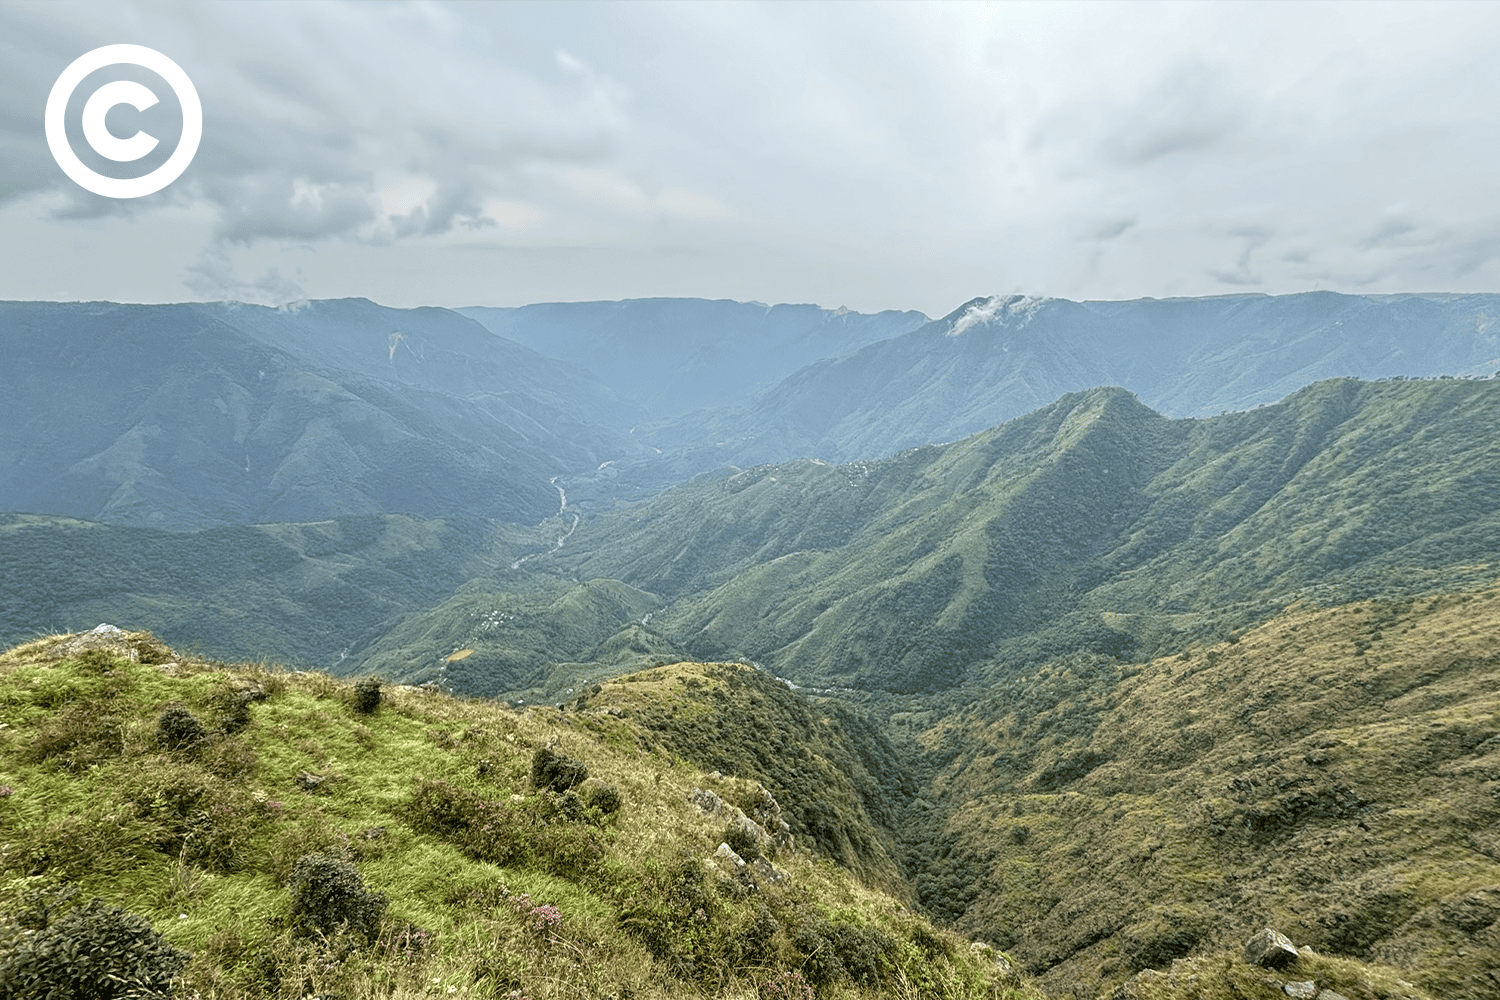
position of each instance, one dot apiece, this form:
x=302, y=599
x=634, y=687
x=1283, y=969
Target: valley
x=1104, y=633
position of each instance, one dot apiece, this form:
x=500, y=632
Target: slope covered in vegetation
x=288, y=835
x=1334, y=772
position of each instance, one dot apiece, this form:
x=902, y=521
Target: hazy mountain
x=183, y=416
x=994, y=359
x=675, y=355
x=1091, y=524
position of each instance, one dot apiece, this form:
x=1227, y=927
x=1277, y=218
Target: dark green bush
x=556, y=771
x=96, y=952
x=820, y=963
x=864, y=952
x=179, y=729
x=603, y=797
x=327, y=891
x=742, y=841
x=367, y=695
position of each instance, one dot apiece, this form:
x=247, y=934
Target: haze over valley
x=1014, y=557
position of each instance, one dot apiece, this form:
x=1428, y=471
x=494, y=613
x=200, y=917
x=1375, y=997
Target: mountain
x=1333, y=773
x=300, y=594
x=248, y=832
x=1093, y=524
x=994, y=359
x=264, y=834
x=189, y=416
x=671, y=356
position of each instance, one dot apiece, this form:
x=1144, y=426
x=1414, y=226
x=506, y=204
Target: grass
x=1330, y=773
x=201, y=840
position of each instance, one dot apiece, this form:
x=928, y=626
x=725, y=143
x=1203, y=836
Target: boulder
x=1270, y=950
x=1305, y=990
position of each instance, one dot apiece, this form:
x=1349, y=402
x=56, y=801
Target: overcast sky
x=869, y=155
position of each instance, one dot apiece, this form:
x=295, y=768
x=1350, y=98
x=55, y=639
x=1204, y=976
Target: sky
x=867, y=155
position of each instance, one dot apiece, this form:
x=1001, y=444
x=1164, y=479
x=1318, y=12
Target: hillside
x=199, y=415
x=274, y=834
x=293, y=841
x=994, y=359
x=299, y=593
x=1332, y=772
x=1091, y=525
x=671, y=356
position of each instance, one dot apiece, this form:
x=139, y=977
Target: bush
x=742, y=841
x=603, y=797
x=327, y=892
x=367, y=695
x=820, y=963
x=96, y=952
x=864, y=952
x=179, y=729
x=556, y=771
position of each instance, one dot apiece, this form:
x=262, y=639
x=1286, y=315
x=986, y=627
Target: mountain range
x=1081, y=626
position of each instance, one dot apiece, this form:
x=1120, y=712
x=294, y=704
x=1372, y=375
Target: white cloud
x=880, y=155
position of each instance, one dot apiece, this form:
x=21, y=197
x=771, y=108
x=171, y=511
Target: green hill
x=1334, y=773
x=292, y=844
x=1091, y=525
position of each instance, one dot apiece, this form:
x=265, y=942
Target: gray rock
x=1270, y=950
x=726, y=853
x=1330, y=995
x=767, y=872
x=709, y=802
x=1305, y=990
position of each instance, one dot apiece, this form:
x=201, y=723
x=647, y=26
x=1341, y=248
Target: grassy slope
x=1333, y=772
x=430, y=797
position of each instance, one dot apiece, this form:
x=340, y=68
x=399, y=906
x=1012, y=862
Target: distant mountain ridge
x=188, y=416
x=1093, y=524
x=996, y=358
x=671, y=356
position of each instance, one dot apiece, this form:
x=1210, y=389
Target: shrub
x=556, y=771
x=327, y=891
x=820, y=963
x=96, y=952
x=367, y=695
x=742, y=841
x=179, y=729
x=603, y=797
x=864, y=952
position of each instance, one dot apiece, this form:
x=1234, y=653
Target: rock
x=726, y=853
x=309, y=782
x=706, y=800
x=1330, y=995
x=1304, y=990
x=767, y=872
x=1270, y=950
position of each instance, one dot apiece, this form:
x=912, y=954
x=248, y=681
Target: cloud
x=306, y=111
x=1001, y=308
x=213, y=277
x=1114, y=228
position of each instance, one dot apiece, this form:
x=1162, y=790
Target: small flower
x=275, y=805
x=545, y=918
x=6, y=791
